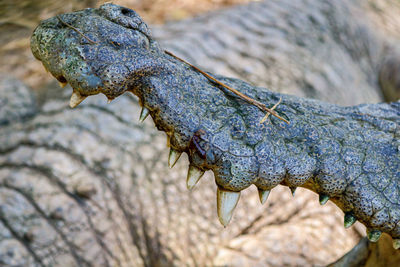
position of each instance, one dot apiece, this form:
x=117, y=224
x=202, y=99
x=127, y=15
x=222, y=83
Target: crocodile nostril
x=127, y=12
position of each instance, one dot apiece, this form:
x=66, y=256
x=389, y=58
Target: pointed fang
x=349, y=219
x=323, y=199
x=374, y=235
x=396, y=243
x=263, y=195
x=143, y=114
x=173, y=157
x=76, y=99
x=293, y=190
x=194, y=175
x=226, y=204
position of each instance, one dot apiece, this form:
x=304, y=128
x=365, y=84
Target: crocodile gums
x=349, y=155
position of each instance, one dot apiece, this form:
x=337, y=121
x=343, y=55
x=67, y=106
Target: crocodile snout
x=91, y=49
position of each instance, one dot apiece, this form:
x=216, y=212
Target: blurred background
x=18, y=18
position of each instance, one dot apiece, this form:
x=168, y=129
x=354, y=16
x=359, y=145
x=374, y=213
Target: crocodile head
x=350, y=155
x=87, y=49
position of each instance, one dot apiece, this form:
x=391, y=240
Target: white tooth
x=62, y=84
x=349, y=219
x=109, y=101
x=293, y=190
x=143, y=114
x=173, y=157
x=263, y=194
x=76, y=99
x=396, y=243
x=373, y=235
x=226, y=204
x=323, y=199
x=194, y=175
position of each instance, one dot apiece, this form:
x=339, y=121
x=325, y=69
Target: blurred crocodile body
x=332, y=150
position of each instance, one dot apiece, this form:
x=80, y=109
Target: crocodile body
x=349, y=154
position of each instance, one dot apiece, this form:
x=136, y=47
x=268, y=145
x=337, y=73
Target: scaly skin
x=349, y=154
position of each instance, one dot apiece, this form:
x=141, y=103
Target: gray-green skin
x=351, y=154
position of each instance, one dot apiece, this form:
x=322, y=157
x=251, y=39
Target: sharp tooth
x=293, y=190
x=173, y=157
x=263, y=194
x=62, y=84
x=194, y=175
x=323, y=199
x=373, y=235
x=349, y=219
x=396, y=243
x=226, y=204
x=76, y=99
x=143, y=114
